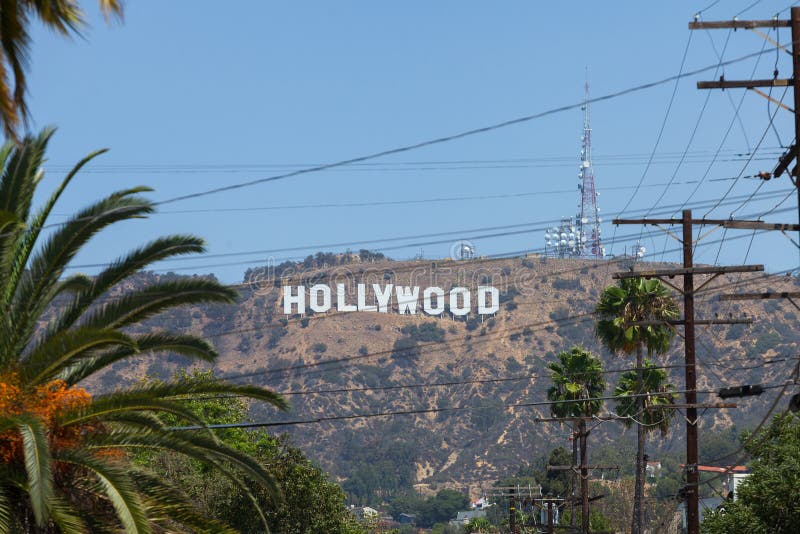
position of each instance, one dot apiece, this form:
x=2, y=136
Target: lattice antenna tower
x=588, y=219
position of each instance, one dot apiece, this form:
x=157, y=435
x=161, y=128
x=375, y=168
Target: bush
x=319, y=348
x=562, y=284
x=426, y=332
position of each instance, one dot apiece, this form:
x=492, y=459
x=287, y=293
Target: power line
x=663, y=123
x=452, y=137
x=407, y=412
x=427, y=200
x=463, y=233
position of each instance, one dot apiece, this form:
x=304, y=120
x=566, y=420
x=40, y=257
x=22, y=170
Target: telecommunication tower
x=588, y=219
x=580, y=237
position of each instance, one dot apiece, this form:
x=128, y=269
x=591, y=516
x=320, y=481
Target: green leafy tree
x=768, y=501
x=479, y=525
x=577, y=383
x=62, y=16
x=441, y=508
x=622, y=309
x=64, y=460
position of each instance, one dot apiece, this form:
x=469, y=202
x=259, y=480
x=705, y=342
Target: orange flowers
x=45, y=402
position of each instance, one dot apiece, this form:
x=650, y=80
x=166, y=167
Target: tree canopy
x=768, y=501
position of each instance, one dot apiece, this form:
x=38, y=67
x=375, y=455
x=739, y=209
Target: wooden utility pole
x=688, y=290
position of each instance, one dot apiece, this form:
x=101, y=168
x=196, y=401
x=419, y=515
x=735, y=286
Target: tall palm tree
x=633, y=317
x=577, y=383
x=64, y=454
x=62, y=16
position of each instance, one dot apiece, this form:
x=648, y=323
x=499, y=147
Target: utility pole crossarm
x=572, y=467
x=704, y=322
x=767, y=295
x=725, y=223
x=739, y=24
x=785, y=161
x=722, y=83
x=656, y=273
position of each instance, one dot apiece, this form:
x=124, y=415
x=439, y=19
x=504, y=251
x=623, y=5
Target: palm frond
x=15, y=43
x=209, y=451
x=37, y=283
x=167, y=505
x=9, y=221
x=110, y=406
x=66, y=517
x=74, y=284
x=189, y=389
x=57, y=352
x=37, y=466
x=5, y=510
x=184, y=345
x=25, y=243
x=137, y=306
x=116, y=485
x=123, y=268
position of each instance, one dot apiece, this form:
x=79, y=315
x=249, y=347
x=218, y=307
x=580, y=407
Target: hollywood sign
x=435, y=300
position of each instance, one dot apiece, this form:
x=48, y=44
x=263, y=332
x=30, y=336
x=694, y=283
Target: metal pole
x=550, y=528
x=692, y=479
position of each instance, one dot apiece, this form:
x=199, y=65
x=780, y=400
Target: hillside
x=469, y=434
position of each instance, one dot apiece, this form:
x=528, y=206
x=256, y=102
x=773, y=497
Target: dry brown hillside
x=464, y=375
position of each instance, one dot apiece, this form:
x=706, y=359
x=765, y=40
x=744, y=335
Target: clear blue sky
x=193, y=95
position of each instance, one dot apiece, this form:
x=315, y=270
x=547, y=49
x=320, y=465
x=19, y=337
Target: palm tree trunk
x=638, y=492
x=584, y=480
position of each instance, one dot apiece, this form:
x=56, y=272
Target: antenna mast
x=588, y=219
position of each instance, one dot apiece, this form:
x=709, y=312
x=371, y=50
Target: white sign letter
x=426, y=300
x=483, y=308
x=289, y=299
x=383, y=297
x=341, y=295
x=313, y=298
x=454, y=307
x=362, y=299
x=407, y=299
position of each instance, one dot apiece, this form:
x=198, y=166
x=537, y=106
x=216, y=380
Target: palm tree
x=633, y=317
x=577, y=385
x=64, y=454
x=659, y=396
x=62, y=16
